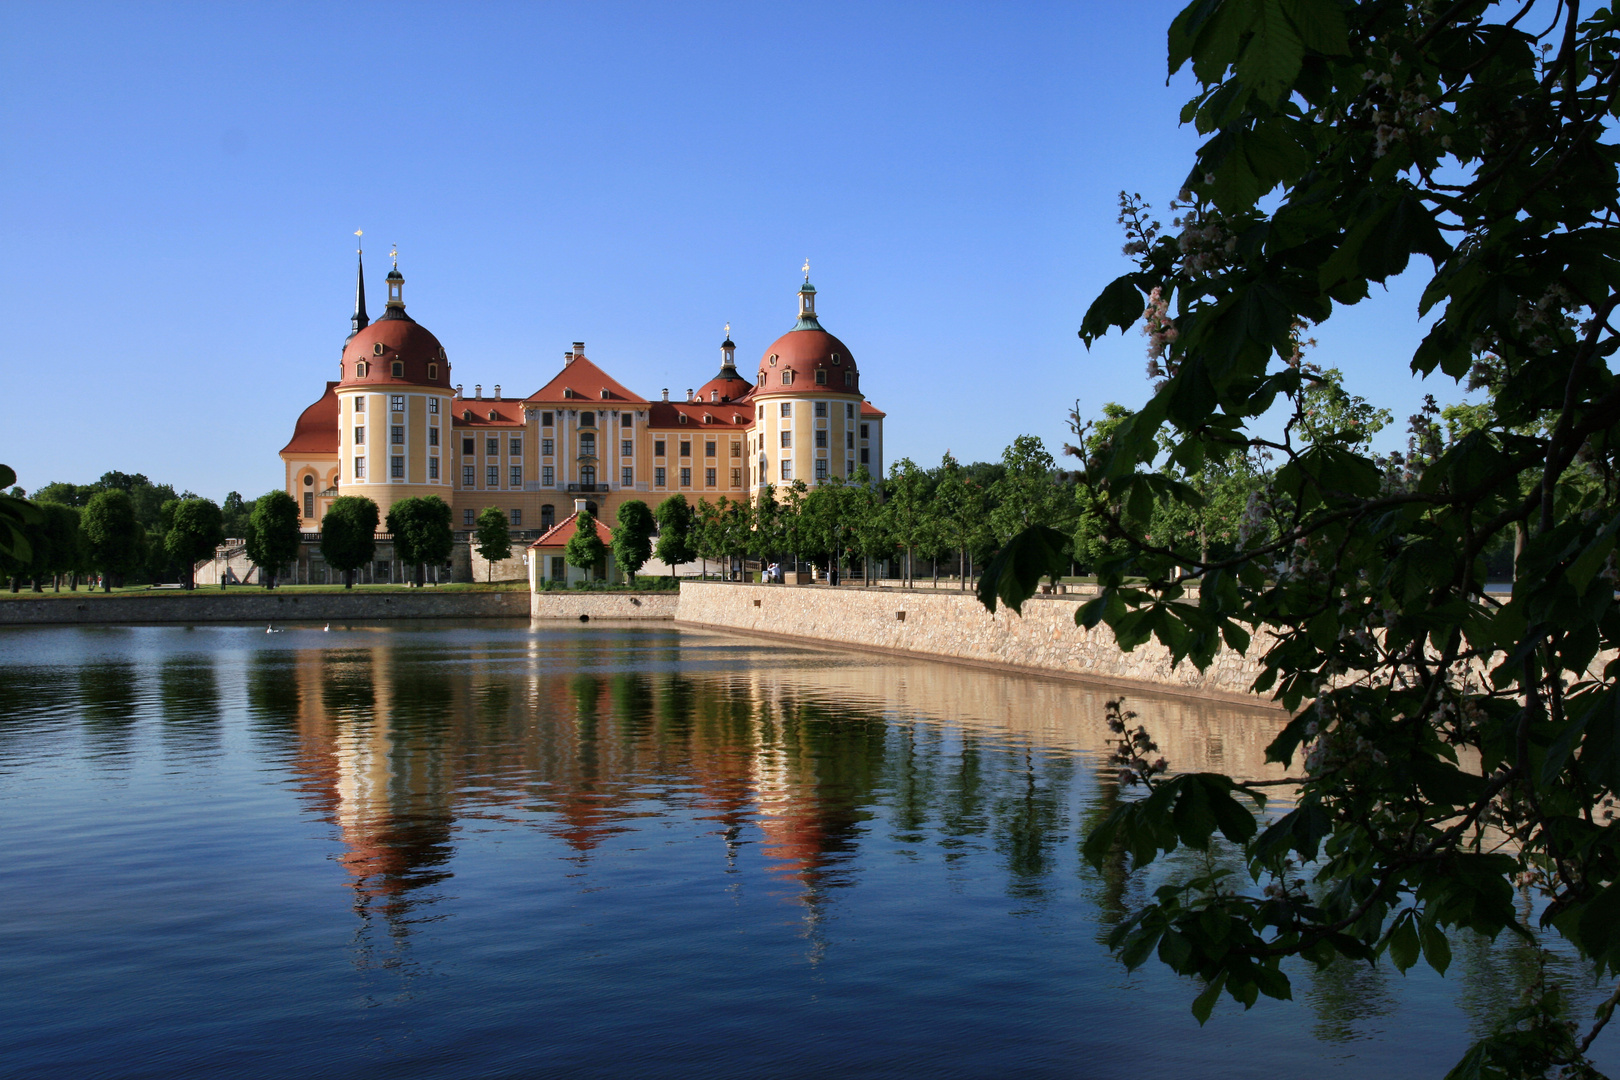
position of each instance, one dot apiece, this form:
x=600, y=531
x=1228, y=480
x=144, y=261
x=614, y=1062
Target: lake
x=491, y=850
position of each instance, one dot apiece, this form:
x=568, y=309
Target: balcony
x=587, y=487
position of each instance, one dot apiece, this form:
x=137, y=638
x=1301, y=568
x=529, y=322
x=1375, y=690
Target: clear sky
x=179, y=186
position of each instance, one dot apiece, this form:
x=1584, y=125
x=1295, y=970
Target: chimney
x=478, y=391
x=458, y=389
x=579, y=348
x=666, y=393
x=688, y=393
x=568, y=358
x=579, y=506
x=714, y=395
x=497, y=391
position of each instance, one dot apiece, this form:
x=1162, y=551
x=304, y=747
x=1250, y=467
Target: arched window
x=360, y=369
x=433, y=372
x=399, y=370
x=587, y=476
x=787, y=378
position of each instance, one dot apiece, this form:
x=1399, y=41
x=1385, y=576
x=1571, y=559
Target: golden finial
x=728, y=331
x=394, y=254
x=359, y=245
x=806, y=269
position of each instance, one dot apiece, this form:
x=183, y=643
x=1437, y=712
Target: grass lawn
x=295, y=590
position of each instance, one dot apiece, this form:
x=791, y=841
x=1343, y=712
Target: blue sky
x=179, y=186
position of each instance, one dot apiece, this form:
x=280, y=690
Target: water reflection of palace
x=799, y=758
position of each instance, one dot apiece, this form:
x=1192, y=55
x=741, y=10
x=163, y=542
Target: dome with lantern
x=807, y=359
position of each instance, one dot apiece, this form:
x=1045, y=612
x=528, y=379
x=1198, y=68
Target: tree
x=493, y=538
x=349, y=535
x=117, y=541
x=195, y=530
x=1342, y=140
x=1028, y=492
x=906, y=508
x=422, y=533
x=16, y=513
x=960, y=514
x=632, y=538
x=869, y=534
x=274, y=534
x=675, y=541
x=585, y=549
x=236, y=513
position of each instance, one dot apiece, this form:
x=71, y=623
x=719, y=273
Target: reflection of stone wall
x=1193, y=735
x=955, y=626
x=251, y=605
x=571, y=604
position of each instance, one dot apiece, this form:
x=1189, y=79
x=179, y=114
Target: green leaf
x=1016, y=571
x=1272, y=57
x=1236, y=822
x=1402, y=941
x=1320, y=25
x=1473, y=1064
x=1119, y=304
x=1436, y=947
x=1204, y=1003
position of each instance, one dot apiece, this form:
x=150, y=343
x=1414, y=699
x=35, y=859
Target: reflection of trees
x=1345, y=994
x=189, y=694
x=107, y=706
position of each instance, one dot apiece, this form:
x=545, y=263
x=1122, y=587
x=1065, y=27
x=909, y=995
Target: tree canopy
x=676, y=544
x=349, y=535
x=492, y=536
x=585, y=549
x=1450, y=744
x=274, y=533
x=422, y=533
x=632, y=537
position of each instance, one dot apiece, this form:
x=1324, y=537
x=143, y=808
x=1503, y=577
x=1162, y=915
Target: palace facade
x=393, y=426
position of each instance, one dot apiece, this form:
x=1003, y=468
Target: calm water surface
x=488, y=851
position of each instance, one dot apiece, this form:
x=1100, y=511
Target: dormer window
x=399, y=370
x=821, y=376
x=787, y=378
x=683, y=418
x=433, y=372
x=466, y=414
x=849, y=378
x=377, y=349
x=761, y=379
x=360, y=369
x=567, y=393
x=493, y=415
x=604, y=393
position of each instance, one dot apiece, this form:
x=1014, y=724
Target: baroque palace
x=394, y=426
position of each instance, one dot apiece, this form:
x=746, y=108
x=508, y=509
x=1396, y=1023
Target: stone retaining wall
x=572, y=603
x=955, y=626
x=249, y=606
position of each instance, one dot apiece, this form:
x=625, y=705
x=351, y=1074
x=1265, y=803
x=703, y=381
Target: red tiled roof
x=665, y=415
x=585, y=381
x=316, y=432
x=508, y=412
x=559, y=534
x=723, y=389
x=869, y=409
x=804, y=352
x=401, y=339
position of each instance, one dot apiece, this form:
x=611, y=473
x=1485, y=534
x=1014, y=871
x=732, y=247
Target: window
x=396, y=434
x=376, y=348
x=626, y=420
x=547, y=447
x=433, y=406
x=548, y=515
x=849, y=378
x=708, y=448
x=396, y=403
x=517, y=516
x=736, y=449
x=849, y=439
x=514, y=447
x=821, y=468
x=433, y=373
x=787, y=378
x=849, y=410
x=865, y=431
x=492, y=447
x=708, y=478
x=359, y=468
x=587, y=476
x=626, y=448
x=658, y=448
x=587, y=444
x=866, y=456
x=658, y=477
x=849, y=468
x=787, y=439
x=821, y=438
x=469, y=476
x=686, y=448
x=548, y=476
x=786, y=409
x=821, y=376
x=469, y=518
x=545, y=419
x=467, y=449
x=627, y=477
x=515, y=476
x=736, y=478
x=686, y=478
x=360, y=435
x=398, y=370
x=787, y=469
x=433, y=468
x=433, y=436
x=821, y=410
x=360, y=404
x=396, y=467
x=309, y=506
x=492, y=476
x=360, y=369
x=587, y=419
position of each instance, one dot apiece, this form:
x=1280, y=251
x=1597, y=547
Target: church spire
x=359, y=320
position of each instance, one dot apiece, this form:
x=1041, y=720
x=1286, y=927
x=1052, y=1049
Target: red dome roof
x=804, y=352
x=401, y=339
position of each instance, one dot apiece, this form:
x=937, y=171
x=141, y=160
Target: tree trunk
x=348, y=579
x=39, y=584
